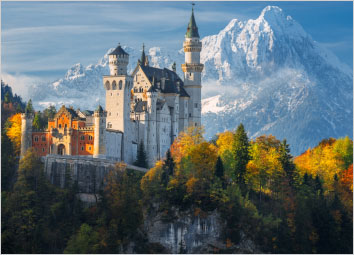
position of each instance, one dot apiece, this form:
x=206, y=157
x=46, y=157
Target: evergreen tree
x=19, y=108
x=7, y=97
x=37, y=121
x=29, y=107
x=141, y=157
x=241, y=154
x=168, y=168
x=286, y=160
x=219, y=168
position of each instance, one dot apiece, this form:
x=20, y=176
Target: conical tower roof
x=192, y=29
x=118, y=51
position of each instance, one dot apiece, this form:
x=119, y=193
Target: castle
x=149, y=106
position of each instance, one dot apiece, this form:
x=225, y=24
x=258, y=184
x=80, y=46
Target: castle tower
x=26, y=132
x=151, y=146
x=118, y=87
x=99, y=143
x=192, y=69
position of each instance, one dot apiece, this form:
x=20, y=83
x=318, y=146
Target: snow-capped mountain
x=267, y=73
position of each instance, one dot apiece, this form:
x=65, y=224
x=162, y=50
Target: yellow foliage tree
x=14, y=132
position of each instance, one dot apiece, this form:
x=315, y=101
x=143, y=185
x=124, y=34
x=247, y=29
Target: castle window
x=89, y=148
x=114, y=85
x=43, y=138
x=82, y=148
x=36, y=138
x=190, y=115
x=196, y=105
x=43, y=149
x=107, y=85
x=59, y=125
x=66, y=125
x=73, y=126
x=82, y=137
x=120, y=85
x=90, y=137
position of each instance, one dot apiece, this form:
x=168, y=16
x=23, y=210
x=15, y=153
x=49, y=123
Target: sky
x=41, y=40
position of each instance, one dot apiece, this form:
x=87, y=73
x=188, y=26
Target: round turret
x=118, y=61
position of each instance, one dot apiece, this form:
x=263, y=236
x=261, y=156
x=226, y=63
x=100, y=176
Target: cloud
x=20, y=84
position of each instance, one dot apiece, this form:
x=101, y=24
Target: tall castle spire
x=192, y=29
x=144, y=60
x=192, y=69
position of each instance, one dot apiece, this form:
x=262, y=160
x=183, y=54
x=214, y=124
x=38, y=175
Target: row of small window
x=36, y=138
x=89, y=137
x=140, y=90
x=114, y=85
x=83, y=148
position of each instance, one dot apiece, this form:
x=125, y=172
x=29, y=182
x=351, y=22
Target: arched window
x=135, y=90
x=141, y=90
x=120, y=85
x=90, y=137
x=114, y=85
x=107, y=85
x=82, y=137
x=43, y=138
x=36, y=138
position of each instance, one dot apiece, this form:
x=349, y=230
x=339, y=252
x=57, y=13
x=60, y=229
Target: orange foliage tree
x=14, y=132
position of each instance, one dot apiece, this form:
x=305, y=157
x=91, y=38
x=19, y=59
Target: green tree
x=286, y=160
x=7, y=98
x=85, y=241
x=141, y=157
x=19, y=108
x=219, y=168
x=8, y=162
x=37, y=121
x=240, y=149
x=167, y=168
x=29, y=107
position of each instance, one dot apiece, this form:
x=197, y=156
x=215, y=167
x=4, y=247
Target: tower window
x=36, y=138
x=90, y=137
x=59, y=125
x=43, y=149
x=43, y=138
x=66, y=125
x=82, y=137
x=196, y=105
x=120, y=85
x=82, y=148
x=190, y=115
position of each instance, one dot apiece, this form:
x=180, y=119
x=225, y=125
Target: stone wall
x=88, y=172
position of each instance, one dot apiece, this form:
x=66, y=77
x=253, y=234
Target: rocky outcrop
x=190, y=233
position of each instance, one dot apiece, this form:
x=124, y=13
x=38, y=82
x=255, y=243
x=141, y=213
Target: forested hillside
x=258, y=191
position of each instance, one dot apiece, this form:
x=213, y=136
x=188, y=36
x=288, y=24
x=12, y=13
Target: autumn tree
x=14, y=132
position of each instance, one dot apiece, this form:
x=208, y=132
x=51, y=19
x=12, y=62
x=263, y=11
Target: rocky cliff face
x=190, y=233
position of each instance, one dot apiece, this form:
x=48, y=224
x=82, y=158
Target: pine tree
x=141, y=157
x=37, y=122
x=29, y=107
x=168, y=168
x=19, y=108
x=241, y=154
x=286, y=160
x=7, y=97
x=219, y=168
